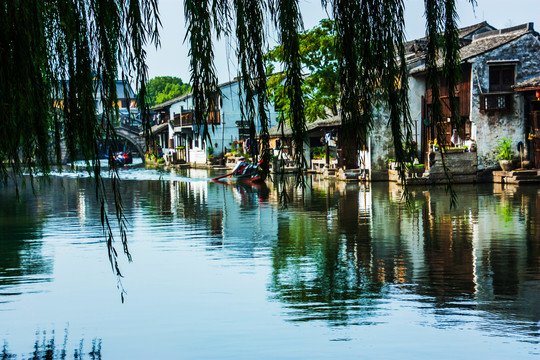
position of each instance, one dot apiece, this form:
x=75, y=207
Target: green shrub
x=505, y=149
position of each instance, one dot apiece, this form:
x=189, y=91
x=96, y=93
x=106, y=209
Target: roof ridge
x=527, y=26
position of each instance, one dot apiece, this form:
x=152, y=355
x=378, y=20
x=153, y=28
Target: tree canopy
x=164, y=88
x=320, y=65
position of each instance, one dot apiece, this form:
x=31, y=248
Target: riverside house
x=180, y=137
x=498, y=97
x=492, y=103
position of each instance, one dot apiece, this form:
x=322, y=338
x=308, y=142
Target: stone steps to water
x=514, y=180
x=525, y=175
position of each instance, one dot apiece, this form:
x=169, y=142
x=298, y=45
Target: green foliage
x=321, y=87
x=410, y=149
x=164, y=88
x=505, y=149
x=318, y=152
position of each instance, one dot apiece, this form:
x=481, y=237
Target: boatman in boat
x=240, y=166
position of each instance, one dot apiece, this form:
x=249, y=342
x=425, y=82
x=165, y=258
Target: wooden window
x=501, y=78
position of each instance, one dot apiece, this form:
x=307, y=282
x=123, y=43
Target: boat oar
x=221, y=176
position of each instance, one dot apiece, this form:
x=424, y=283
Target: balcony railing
x=177, y=121
x=187, y=118
x=496, y=101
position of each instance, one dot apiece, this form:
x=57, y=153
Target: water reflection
x=341, y=254
x=46, y=347
x=346, y=246
x=21, y=227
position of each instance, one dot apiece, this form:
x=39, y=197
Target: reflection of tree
x=322, y=266
x=158, y=198
x=47, y=348
x=20, y=239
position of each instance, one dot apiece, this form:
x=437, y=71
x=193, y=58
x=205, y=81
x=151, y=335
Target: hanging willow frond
x=251, y=46
x=203, y=74
x=373, y=70
x=57, y=55
x=443, y=40
x=289, y=23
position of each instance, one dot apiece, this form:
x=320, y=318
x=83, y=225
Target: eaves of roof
x=490, y=42
x=159, y=128
x=170, y=102
x=529, y=84
x=484, y=43
x=331, y=121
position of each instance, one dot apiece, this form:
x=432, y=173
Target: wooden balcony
x=177, y=121
x=187, y=118
x=213, y=117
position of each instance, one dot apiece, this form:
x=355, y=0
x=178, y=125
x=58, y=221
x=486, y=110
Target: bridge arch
x=135, y=139
x=138, y=142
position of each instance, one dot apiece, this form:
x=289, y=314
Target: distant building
x=176, y=132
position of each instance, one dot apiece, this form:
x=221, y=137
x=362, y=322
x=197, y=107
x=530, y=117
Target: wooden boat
x=122, y=158
x=251, y=173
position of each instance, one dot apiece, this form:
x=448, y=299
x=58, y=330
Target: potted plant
x=505, y=154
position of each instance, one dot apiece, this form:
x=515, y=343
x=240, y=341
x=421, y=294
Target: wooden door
x=536, y=140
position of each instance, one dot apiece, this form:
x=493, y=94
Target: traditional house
x=183, y=137
x=492, y=63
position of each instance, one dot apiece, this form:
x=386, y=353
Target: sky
x=172, y=59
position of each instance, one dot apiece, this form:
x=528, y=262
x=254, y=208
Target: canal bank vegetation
x=59, y=54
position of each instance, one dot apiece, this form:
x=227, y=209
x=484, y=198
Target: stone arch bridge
x=133, y=136
x=129, y=133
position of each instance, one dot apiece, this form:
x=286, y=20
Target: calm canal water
x=223, y=271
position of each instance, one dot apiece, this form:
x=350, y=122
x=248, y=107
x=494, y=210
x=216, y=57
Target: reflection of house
x=176, y=131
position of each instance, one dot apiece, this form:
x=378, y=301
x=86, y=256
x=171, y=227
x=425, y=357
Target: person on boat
x=240, y=166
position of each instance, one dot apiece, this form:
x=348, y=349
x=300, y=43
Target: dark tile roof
x=493, y=39
x=529, y=84
x=486, y=41
x=331, y=121
x=415, y=50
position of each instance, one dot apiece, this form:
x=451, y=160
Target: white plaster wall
x=382, y=147
x=417, y=89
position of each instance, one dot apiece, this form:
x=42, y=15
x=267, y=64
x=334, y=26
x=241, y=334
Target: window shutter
x=482, y=102
x=423, y=108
